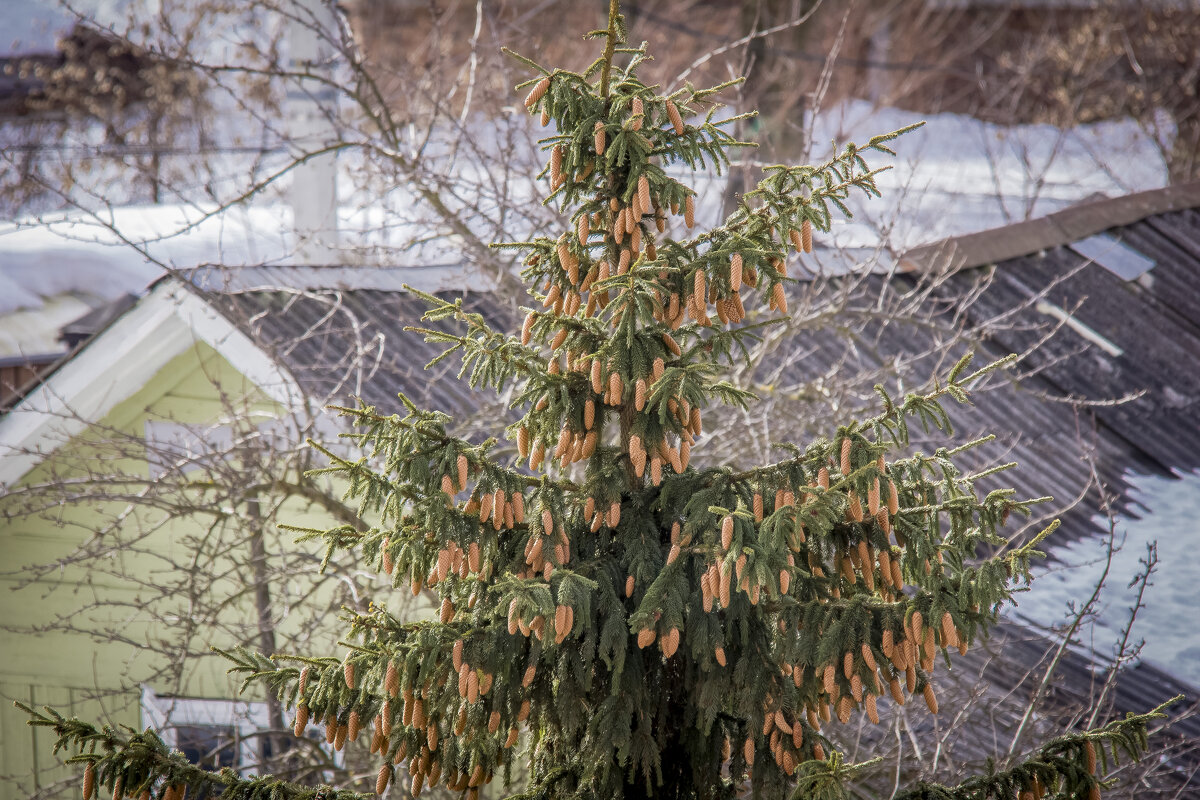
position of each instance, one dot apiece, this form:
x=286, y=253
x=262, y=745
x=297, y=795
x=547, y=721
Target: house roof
x=1113, y=393
x=1136, y=340
x=339, y=332
x=83, y=328
x=308, y=336
x=117, y=362
x=324, y=336
x=1071, y=224
x=1120, y=378
x=984, y=697
x=342, y=344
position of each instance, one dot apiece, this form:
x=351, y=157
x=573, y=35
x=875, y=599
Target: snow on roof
x=122, y=250
x=426, y=278
x=34, y=332
x=126, y=249
x=35, y=26
x=32, y=26
x=1172, y=507
x=959, y=175
x=955, y=175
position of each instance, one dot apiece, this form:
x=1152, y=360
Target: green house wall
x=76, y=671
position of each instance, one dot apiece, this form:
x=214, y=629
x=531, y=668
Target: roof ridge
x=1061, y=227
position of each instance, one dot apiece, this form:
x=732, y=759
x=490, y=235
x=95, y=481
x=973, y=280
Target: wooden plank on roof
x=1062, y=227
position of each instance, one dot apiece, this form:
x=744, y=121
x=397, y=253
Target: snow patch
x=958, y=175
x=35, y=332
x=1172, y=518
x=125, y=249
x=35, y=26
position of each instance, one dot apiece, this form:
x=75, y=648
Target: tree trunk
x=686, y=774
x=266, y=623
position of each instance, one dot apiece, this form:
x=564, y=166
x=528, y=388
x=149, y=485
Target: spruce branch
x=140, y=764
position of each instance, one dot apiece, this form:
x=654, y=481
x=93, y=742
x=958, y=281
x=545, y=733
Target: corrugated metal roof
x=1119, y=381
x=340, y=345
x=984, y=695
x=1047, y=437
x=343, y=342
x=1155, y=322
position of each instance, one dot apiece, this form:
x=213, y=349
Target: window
x=215, y=733
x=210, y=746
x=211, y=733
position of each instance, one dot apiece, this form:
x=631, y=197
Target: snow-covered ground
x=1171, y=517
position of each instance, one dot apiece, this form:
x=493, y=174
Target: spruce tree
x=616, y=621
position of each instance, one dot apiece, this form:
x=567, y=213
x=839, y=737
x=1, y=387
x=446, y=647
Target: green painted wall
x=81, y=637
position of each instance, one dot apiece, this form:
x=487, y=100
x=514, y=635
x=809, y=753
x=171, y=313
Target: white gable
x=119, y=362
